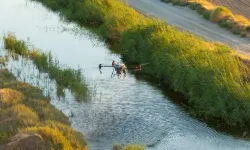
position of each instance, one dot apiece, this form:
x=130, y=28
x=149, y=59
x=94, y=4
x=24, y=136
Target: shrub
x=183, y=3
x=166, y=1
x=236, y=30
x=176, y=2
x=206, y=14
x=248, y=28
x=243, y=34
x=194, y=5
x=18, y=47
x=219, y=14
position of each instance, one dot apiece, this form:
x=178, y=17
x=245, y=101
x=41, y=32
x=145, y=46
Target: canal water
x=125, y=110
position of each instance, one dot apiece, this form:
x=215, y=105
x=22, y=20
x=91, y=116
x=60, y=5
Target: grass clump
x=10, y=97
x=65, y=77
x=24, y=113
x=53, y=137
x=15, y=117
x=219, y=14
x=129, y=147
x=75, y=138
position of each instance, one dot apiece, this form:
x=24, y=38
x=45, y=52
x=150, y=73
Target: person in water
x=119, y=68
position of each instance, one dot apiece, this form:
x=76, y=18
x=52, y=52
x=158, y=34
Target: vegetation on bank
x=129, y=147
x=28, y=121
x=212, y=76
x=65, y=77
x=237, y=24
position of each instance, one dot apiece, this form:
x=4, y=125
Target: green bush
x=167, y=1
x=206, y=15
x=248, y=28
x=243, y=34
x=183, y=3
x=176, y=2
x=224, y=24
x=193, y=5
x=236, y=31
x=219, y=13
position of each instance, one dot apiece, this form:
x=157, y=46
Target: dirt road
x=185, y=18
x=241, y=7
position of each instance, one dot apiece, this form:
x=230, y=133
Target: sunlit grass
x=75, y=138
x=15, y=117
x=129, y=147
x=10, y=97
x=53, y=137
x=65, y=77
x=219, y=14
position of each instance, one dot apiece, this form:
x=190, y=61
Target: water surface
x=122, y=110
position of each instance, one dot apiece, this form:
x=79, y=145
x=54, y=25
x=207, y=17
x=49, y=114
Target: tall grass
x=217, y=14
x=27, y=113
x=210, y=75
x=65, y=77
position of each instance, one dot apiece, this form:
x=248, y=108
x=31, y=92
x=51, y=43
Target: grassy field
x=221, y=15
x=212, y=76
x=65, y=77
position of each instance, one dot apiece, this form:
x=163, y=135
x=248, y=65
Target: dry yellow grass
x=10, y=97
x=129, y=147
x=53, y=137
x=219, y=14
x=24, y=113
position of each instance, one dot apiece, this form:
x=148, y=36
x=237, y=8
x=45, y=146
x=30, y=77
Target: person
x=113, y=63
x=119, y=68
x=123, y=69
